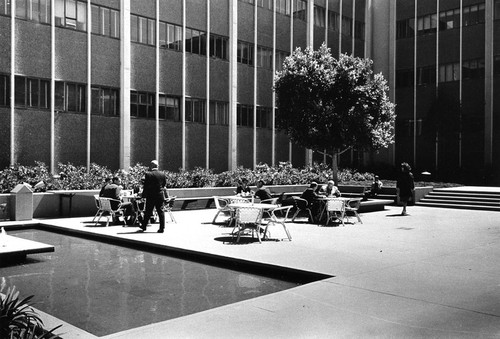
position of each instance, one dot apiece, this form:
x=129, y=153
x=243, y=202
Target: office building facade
x=188, y=82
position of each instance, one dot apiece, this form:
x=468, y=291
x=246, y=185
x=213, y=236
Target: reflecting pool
x=104, y=288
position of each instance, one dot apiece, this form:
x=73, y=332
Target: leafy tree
x=333, y=104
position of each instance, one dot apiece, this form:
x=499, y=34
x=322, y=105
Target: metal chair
x=335, y=209
x=247, y=218
x=98, y=205
x=167, y=207
x=275, y=220
x=301, y=205
x=352, y=206
x=106, y=210
x=221, y=205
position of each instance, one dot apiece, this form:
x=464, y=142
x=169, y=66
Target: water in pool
x=104, y=288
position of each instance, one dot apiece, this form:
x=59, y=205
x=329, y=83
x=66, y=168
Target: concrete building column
x=233, y=85
x=125, y=70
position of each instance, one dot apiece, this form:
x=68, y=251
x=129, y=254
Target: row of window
x=264, y=56
x=105, y=21
x=284, y=7
x=334, y=23
x=244, y=116
x=471, y=69
x=450, y=19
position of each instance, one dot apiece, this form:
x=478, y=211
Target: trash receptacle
x=22, y=203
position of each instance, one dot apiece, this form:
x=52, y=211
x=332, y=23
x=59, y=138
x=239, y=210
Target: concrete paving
x=432, y=274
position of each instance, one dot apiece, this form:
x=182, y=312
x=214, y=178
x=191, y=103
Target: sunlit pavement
x=434, y=273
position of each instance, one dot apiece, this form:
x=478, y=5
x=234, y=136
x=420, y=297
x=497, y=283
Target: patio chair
x=98, y=205
x=247, y=218
x=352, y=206
x=335, y=210
x=281, y=220
x=106, y=210
x=221, y=205
x=167, y=207
x=301, y=205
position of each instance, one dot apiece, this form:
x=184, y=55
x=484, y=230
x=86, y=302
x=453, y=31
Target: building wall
x=85, y=136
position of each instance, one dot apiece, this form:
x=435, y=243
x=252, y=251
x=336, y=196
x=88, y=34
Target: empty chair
x=301, y=205
x=247, y=218
x=352, y=206
x=106, y=210
x=278, y=220
x=167, y=207
x=335, y=209
x=221, y=205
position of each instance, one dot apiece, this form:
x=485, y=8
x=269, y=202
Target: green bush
x=71, y=177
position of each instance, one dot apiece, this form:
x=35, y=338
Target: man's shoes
x=142, y=227
x=160, y=231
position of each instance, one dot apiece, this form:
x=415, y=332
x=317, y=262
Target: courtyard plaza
x=432, y=274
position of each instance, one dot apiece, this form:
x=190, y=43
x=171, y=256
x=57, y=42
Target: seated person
x=375, y=188
x=310, y=196
x=330, y=190
x=262, y=192
x=243, y=187
x=113, y=191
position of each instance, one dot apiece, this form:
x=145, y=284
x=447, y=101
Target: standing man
x=154, y=188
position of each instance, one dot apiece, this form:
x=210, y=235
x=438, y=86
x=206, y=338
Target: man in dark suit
x=155, y=183
x=113, y=190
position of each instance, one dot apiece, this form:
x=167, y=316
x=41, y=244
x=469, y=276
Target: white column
x=13, y=87
x=340, y=26
x=52, y=86
x=415, y=87
x=157, y=82
x=207, y=93
x=460, y=63
x=183, y=96
x=353, y=27
x=290, y=147
x=254, y=142
x=125, y=141
x=310, y=43
x=233, y=84
x=273, y=96
x=89, y=81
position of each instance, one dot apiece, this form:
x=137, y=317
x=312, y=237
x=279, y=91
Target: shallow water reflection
x=103, y=288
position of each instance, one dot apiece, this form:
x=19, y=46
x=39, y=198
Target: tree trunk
x=335, y=168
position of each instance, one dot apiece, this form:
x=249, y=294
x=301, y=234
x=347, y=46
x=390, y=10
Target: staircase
x=475, y=199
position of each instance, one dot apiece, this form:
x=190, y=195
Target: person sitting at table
x=311, y=196
x=113, y=190
x=262, y=192
x=330, y=190
x=243, y=188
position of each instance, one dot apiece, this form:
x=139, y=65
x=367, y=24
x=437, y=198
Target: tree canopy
x=333, y=104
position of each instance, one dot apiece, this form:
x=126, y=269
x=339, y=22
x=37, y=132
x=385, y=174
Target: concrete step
x=461, y=200
x=465, y=194
x=460, y=206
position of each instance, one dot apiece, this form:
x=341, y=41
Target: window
x=195, y=110
x=4, y=90
x=244, y=115
x=426, y=75
x=496, y=66
x=245, y=53
x=196, y=41
x=169, y=108
x=5, y=7
x=473, y=69
x=264, y=117
x=280, y=59
x=409, y=124
x=346, y=26
x=449, y=72
x=170, y=36
x=264, y=57
x=319, y=16
x=218, y=46
x=496, y=10
x=105, y=21
x=70, y=97
x=34, y=10
x=71, y=14
x=142, y=30
x=20, y=91
x=142, y=105
x=105, y=101
x=219, y=113
x=300, y=10
x=333, y=20
x=405, y=28
x=359, y=30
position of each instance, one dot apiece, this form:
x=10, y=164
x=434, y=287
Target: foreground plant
x=18, y=319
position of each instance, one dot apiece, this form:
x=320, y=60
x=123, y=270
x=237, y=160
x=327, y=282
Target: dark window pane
x=95, y=19
x=59, y=96
x=21, y=9
x=33, y=92
x=95, y=99
x=114, y=24
x=71, y=97
x=81, y=99
x=105, y=21
x=35, y=10
x=4, y=92
x=134, y=28
x=163, y=35
x=20, y=91
x=81, y=16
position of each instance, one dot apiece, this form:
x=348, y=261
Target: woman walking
x=405, y=186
